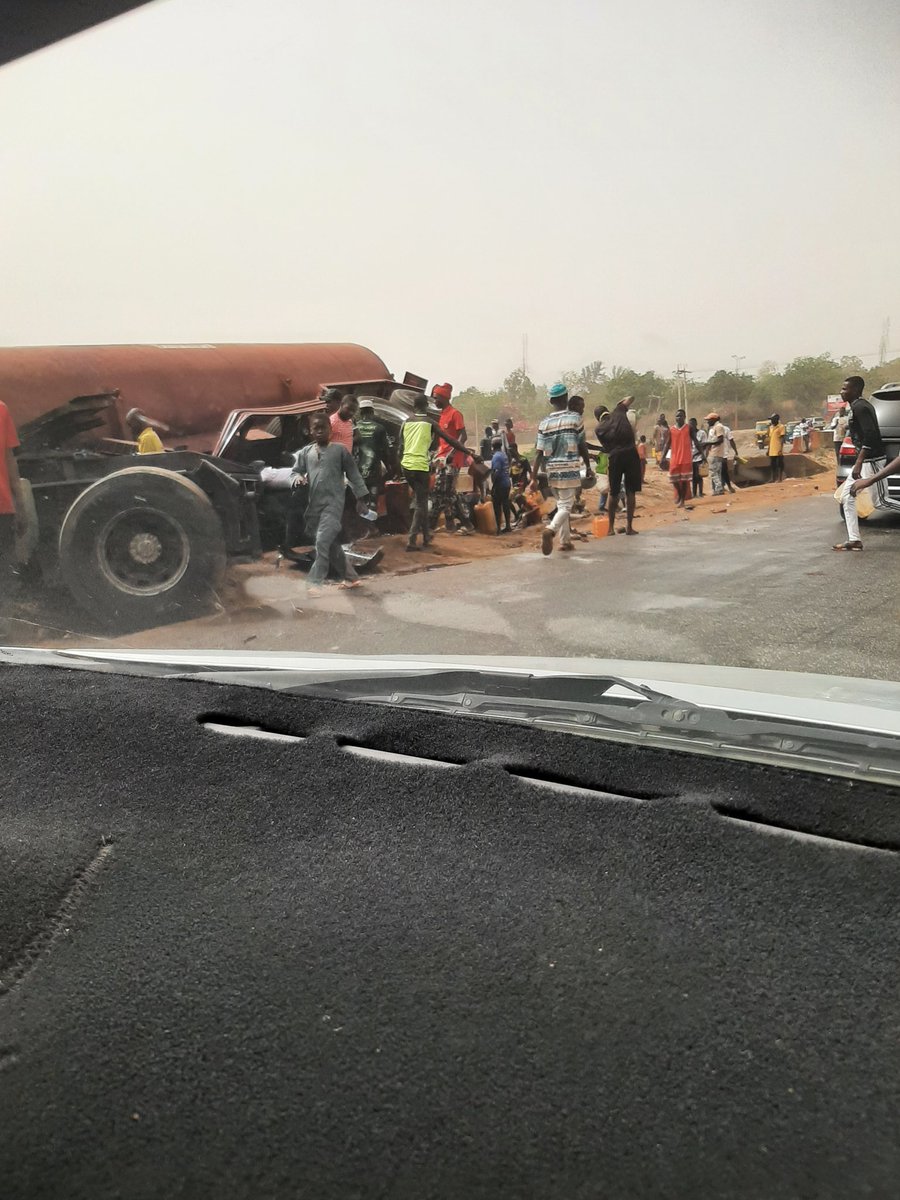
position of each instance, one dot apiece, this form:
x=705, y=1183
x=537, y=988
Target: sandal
x=848, y=546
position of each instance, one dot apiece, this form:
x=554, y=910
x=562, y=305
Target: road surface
x=762, y=589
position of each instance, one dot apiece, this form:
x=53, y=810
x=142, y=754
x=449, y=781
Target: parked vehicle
x=135, y=540
x=139, y=540
x=886, y=402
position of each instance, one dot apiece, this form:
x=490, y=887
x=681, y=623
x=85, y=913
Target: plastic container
x=865, y=506
x=483, y=515
x=600, y=527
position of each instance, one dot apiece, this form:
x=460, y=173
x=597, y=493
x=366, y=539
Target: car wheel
x=142, y=546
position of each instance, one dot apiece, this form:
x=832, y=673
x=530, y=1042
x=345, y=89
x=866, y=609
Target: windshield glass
x=560, y=332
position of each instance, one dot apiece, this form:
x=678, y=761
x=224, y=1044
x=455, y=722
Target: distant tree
x=587, y=382
x=649, y=389
x=728, y=392
x=766, y=395
x=851, y=365
x=519, y=390
x=592, y=376
x=877, y=377
x=478, y=408
x=806, y=382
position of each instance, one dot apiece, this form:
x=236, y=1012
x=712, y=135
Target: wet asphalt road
x=758, y=590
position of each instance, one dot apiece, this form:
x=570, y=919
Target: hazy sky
x=640, y=181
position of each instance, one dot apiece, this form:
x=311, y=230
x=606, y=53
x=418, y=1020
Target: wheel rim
x=143, y=551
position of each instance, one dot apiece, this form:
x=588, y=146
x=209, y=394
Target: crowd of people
x=700, y=454
x=430, y=454
x=351, y=447
x=345, y=446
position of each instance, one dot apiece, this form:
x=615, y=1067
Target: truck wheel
x=142, y=545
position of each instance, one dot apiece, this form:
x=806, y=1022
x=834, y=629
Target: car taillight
x=848, y=450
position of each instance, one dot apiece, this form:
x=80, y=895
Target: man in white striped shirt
x=562, y=446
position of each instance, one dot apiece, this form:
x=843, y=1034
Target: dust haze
x=643, y=183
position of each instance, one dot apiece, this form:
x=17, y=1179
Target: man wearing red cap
x=452, y=422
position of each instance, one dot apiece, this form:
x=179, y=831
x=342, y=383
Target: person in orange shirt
x=681, y=442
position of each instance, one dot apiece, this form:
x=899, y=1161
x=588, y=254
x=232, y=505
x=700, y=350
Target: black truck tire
x=142, y=546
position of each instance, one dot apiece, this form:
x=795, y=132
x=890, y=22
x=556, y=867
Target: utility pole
x=681, y=373
x=525, y=354
x=885, y=341
x=738, y=359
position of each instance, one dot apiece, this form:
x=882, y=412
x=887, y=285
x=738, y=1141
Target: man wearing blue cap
x=561, y=444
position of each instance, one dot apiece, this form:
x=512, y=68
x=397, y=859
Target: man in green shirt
x=417, y=435
x=371, y=447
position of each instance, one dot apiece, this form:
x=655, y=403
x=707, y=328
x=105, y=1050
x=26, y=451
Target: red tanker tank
x=192, y=388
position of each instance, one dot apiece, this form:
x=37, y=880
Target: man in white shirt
x=839, y=429
x=715, y=454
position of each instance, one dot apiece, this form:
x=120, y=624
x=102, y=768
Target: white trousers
x=565, y=498
x=851, y=518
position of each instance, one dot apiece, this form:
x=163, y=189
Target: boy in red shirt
x=342, y=422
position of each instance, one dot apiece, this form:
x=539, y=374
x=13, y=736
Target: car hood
x=866, y=705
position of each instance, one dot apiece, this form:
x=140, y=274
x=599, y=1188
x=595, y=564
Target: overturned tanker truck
x=140, y=540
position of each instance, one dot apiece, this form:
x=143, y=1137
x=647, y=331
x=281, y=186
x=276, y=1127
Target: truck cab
x=274, y=435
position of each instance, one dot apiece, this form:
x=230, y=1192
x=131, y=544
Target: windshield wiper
x=613, y=707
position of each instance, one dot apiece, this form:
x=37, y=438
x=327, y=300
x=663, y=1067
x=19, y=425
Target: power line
x=889, y=353
x=681, y=375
